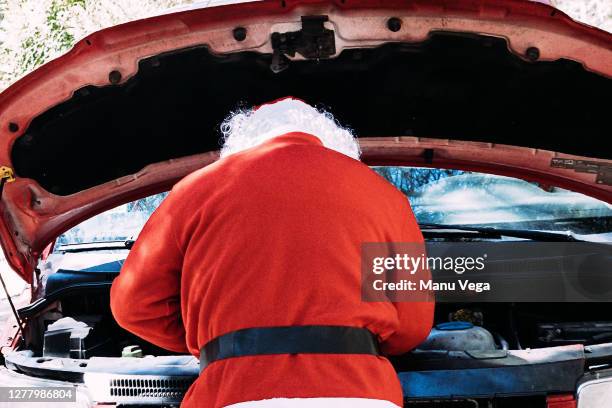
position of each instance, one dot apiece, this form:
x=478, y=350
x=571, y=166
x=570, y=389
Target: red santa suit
x=271, y=237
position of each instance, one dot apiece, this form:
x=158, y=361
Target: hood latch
x=313, y=41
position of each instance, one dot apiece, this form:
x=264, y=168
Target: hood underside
x=496, y=86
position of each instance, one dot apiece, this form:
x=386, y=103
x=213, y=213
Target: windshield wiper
x=96, y=246
x=514, y=233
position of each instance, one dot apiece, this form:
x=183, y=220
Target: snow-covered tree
x=33, y=32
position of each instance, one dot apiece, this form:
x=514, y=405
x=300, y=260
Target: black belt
x=289, y=340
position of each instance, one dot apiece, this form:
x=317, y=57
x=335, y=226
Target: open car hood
x=507, y=87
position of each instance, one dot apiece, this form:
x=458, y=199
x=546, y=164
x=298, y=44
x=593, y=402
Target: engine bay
x=73, y=320
x=81, y=327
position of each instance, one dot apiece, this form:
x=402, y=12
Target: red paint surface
x=561, y=401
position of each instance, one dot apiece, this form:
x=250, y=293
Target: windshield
x=119, y=224
x=437, y=196
x=442, y=196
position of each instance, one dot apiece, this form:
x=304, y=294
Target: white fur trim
x=316, y=403
x=245, y=129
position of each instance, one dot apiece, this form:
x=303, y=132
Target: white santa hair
x=248, y=128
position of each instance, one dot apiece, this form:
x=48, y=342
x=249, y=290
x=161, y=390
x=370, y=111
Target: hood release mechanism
x=313, y=41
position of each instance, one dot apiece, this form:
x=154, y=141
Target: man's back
x=271, y=237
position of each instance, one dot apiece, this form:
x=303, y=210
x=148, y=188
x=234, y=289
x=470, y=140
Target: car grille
x=174, y=388
x=138, y=389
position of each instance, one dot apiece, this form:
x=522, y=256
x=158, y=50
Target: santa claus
x=252, y=264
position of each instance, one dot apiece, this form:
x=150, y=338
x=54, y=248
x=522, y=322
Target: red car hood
x=73, y=133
